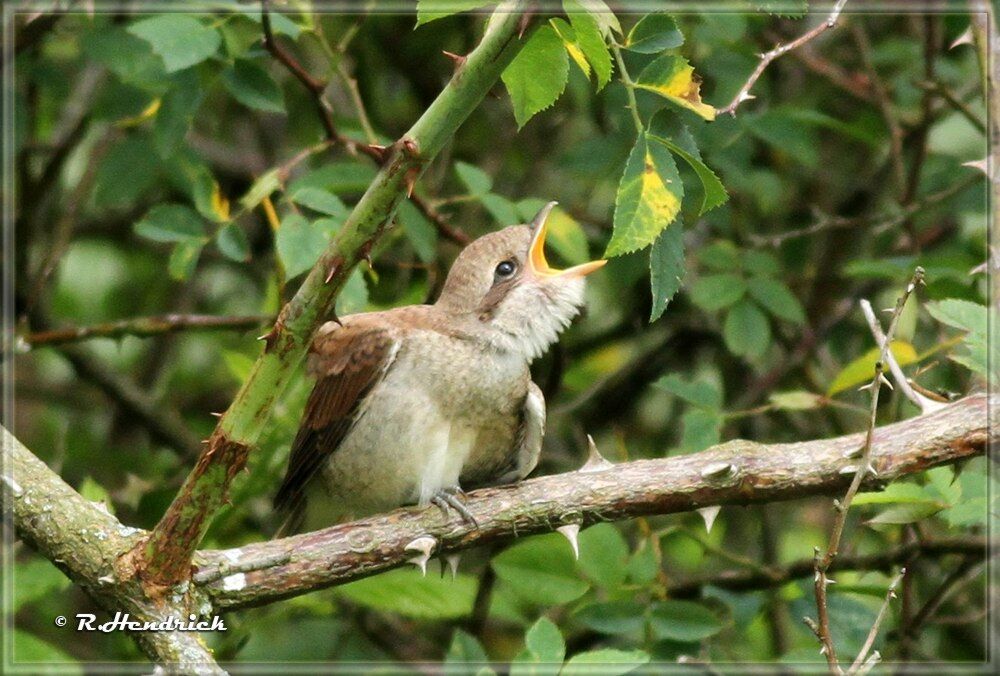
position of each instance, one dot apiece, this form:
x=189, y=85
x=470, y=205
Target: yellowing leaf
x=220, y=204
x=673, y=78
x=147, y=113
x=648, y=200
x=565, y=32
x=862, y=369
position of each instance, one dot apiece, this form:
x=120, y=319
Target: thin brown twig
x=966, y=572
x=779, y=50
x=371, y=149
x=822, y=626
x=143, y=327
x=742, y=580
x=885, y=105
x=952, y=99
x=862, y=658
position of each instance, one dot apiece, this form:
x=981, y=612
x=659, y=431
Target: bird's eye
x=505, y=269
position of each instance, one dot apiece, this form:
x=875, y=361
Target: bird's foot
x=452, y=498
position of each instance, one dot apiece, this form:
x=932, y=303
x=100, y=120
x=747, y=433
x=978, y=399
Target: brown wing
x=347, y=362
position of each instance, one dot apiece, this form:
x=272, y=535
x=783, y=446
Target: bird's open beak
x=536, y=252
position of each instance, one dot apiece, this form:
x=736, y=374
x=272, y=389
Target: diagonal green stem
x=165, y=558
x=633, y=106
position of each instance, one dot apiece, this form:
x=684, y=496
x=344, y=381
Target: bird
x=415, y=404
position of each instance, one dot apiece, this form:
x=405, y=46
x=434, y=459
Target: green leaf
x=95, y=492
x=643, y=566
x=760, y=263
x=545, y=641
x=320, y=200
x=127, y=56
x=777, y=299
x=908, y=493
x=648, y=199
x=696, y=392
x=126, y=172
x=672, y=77
x=590, y=41
x=181, y=40
x=421, y=233
x=960, y=314
x=862, y=369
x=683, y=621
x=537, y=75
x=654, y=33
x=342, y=177
x=184, y=259
x=700, y=428
x=232, y=243
x=613, y=617
x=666, y=128
x=465, y=649
x=300, y=242
x=795, y=400
x=721, y=256
x=172, y=223
x=905, y=513
x=411, y=594
x=606, y=19
x=475, y=180
x=606, y=662
x=666, y=269
x=265, y=184
x=176, y=112
x=603, y=554
x=541, y=570
x=746, y=331
x=253, y=86
x=501, y=209
x=715, y=292
x=238, y=364
x=429, y=10
x=353, y=297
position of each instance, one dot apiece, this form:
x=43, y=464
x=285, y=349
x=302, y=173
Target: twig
x=143, y=327
x=737, y=472
x=925, y=404
x=864, y=467
x=885, y=105
x=939, y=88
x=371, y=149
x=779, y=50
x=862, y=657
x=741, y=580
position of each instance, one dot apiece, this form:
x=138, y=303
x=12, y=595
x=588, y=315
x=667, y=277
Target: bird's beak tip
x=536, y=252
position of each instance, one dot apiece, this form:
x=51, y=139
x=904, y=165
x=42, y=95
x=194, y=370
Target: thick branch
x=84, y=541
x=165, y=558
x=737, y=472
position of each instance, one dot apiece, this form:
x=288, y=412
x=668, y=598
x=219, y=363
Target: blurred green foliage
x=168, y=164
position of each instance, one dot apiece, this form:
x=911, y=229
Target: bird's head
x=503, y=280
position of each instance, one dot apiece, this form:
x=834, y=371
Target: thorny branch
x=822, y=626
x=780, y=50
x=862, y=662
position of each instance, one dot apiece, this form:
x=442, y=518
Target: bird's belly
x=407, y=444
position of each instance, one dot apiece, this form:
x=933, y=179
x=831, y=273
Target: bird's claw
x=449, y=498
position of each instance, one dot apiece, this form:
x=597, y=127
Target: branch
x=779, y=50
x=83, y=540
x=375, y=152
x=925, y=404
x=862, y=660
x=737, y=472
x=863, y=469
x=749, y=580
x=165, y=557
x=142, y=327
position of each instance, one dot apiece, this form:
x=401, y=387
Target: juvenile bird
x=412, y=404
